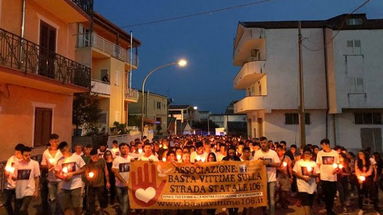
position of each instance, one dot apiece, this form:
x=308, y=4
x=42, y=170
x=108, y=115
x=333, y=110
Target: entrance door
x=43, y=126
x=371, y=137
x=47, y=50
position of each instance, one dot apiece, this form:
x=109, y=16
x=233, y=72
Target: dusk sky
x=206, y=41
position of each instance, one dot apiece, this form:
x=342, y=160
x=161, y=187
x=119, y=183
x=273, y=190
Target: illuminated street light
x=181, y=63
x=195, y=108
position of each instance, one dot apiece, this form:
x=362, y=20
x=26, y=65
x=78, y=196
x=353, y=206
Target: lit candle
x=362, y=178
x=335, y=165
x=139, y=151
x=309, y=168
x=284, y=164
x=160, y=145
x=198, y=158
x=65, y=170
x=51, y=160
x=340, y=166
x=91, y=174
x=165, y=147
x=203, y=159
x=164, y=159
x=178, y=157
x=9, y=169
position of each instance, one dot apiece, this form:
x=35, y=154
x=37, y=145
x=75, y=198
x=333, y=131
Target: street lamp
x=180, y=63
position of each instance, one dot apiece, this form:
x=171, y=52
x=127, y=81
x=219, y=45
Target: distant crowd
x=86, y=179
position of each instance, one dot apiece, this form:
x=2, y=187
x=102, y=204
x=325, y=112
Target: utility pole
x=302, y=122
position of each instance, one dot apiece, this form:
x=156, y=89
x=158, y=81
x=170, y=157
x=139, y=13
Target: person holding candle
x=10, y=183
x=148, y=153
x=49, y=160
x=327, y=160
x=306, y=172
x=284, y=177
x=27, y=176
x=97, y=176
x=69, y=169
x=121, y=169
x=200, y=154
x=364, y=173
x=271, y=160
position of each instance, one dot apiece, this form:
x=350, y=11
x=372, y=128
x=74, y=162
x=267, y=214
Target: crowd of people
x=71, y=180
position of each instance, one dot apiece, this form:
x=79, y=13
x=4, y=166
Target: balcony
x=251, y=103
x=100, y=87
x=70, y=11
x=131, y=95
x=250, y=72
x=108, y=47
x=28, y=60
x=251, y=39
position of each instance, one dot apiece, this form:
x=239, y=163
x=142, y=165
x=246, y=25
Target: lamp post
x=180, y=63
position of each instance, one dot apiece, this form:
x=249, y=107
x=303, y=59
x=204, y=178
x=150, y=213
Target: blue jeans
x=122, y=196
x=53, y=189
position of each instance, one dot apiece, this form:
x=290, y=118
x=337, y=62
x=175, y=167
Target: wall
x=117, y=93
x=17, y=117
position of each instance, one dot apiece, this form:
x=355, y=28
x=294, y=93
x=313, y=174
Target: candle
x=164, y=159
x=91, y=174
x=51, y=160
x=65, y=170
x=9, y=169
x=362, y=178
x=139, y=151
x=160, y=145
x=340, y=166
x=284, y=164
x=178, y=157
x=165, y=147
x=309, y=168
x=203, y=159
x=335, y=165
x=198, y=158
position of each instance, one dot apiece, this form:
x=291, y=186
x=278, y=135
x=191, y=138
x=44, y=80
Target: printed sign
x=328, y=160
x=123, y=167
x=23, y=174
x=165, y=185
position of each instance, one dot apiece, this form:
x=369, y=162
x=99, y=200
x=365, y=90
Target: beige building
x=112, y=55
x=156, y=113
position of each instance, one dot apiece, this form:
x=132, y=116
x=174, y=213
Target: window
x=293, y=119
x=354, y=21
x=43, y=126
x=355, y=45
x=368, y=118
x=159, y=105
x=105, y=76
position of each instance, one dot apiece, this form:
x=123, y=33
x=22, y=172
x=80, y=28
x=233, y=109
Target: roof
x=335, y=23
x=101, y=20
x=179, y=106
x=151, y=93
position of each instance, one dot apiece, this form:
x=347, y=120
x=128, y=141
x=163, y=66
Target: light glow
x=182, y=62
x=91, y=174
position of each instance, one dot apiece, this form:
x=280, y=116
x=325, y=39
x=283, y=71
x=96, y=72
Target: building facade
x=342, y=70
x=112, y=55
x=38, y=70
x=156, y=112
x=233, y=124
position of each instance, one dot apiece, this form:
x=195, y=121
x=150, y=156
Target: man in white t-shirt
x=200, y=154
x=328, y=160
x=115, y=149
x=121, y=169
x=49, y=161
x=69, y=169
x=271, y=161
x=26, y=174
x=148, y=153
x=306, y=172
x=10, y=184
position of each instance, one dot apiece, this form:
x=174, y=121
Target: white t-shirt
x=123, y=166
x=220, y=156
x=11, y=184
x=134, y=155
x=273, y=157
x=304, y=168
x=115, y=152
x=150, y=158
x=25, y=174
x=202, y=157
x=48, y=158
x=72, y=164
x=325, y=160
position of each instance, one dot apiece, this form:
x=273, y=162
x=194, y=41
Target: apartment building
x=342, y=69
x=112, y=54
x=156, y=112
x=38, y=70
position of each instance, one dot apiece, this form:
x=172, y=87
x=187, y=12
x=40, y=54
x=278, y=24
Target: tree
x=86, y=112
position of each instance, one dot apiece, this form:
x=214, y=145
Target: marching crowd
x=72, y=181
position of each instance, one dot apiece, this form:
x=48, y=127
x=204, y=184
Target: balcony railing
x=26, y=56
x=132, y=95
x=85, y=5
x=108, y=47
x=100, y=87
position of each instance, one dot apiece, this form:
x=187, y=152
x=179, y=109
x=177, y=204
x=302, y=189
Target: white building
x=343, y=74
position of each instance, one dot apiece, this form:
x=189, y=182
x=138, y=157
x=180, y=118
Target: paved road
x=35, y=209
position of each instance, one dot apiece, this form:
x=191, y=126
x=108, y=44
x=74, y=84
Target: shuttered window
x=43, y=126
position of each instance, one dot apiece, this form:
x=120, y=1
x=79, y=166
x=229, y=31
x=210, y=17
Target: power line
x=201, y=13
x=342, y=26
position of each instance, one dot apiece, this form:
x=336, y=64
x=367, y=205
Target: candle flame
x=335, y=165
x=140, y=151
x=65, y=170
x=178, y=157
x=284, y=164
x=164, y=159
x=9, y=169
x=362, y=178
x=91, y=174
